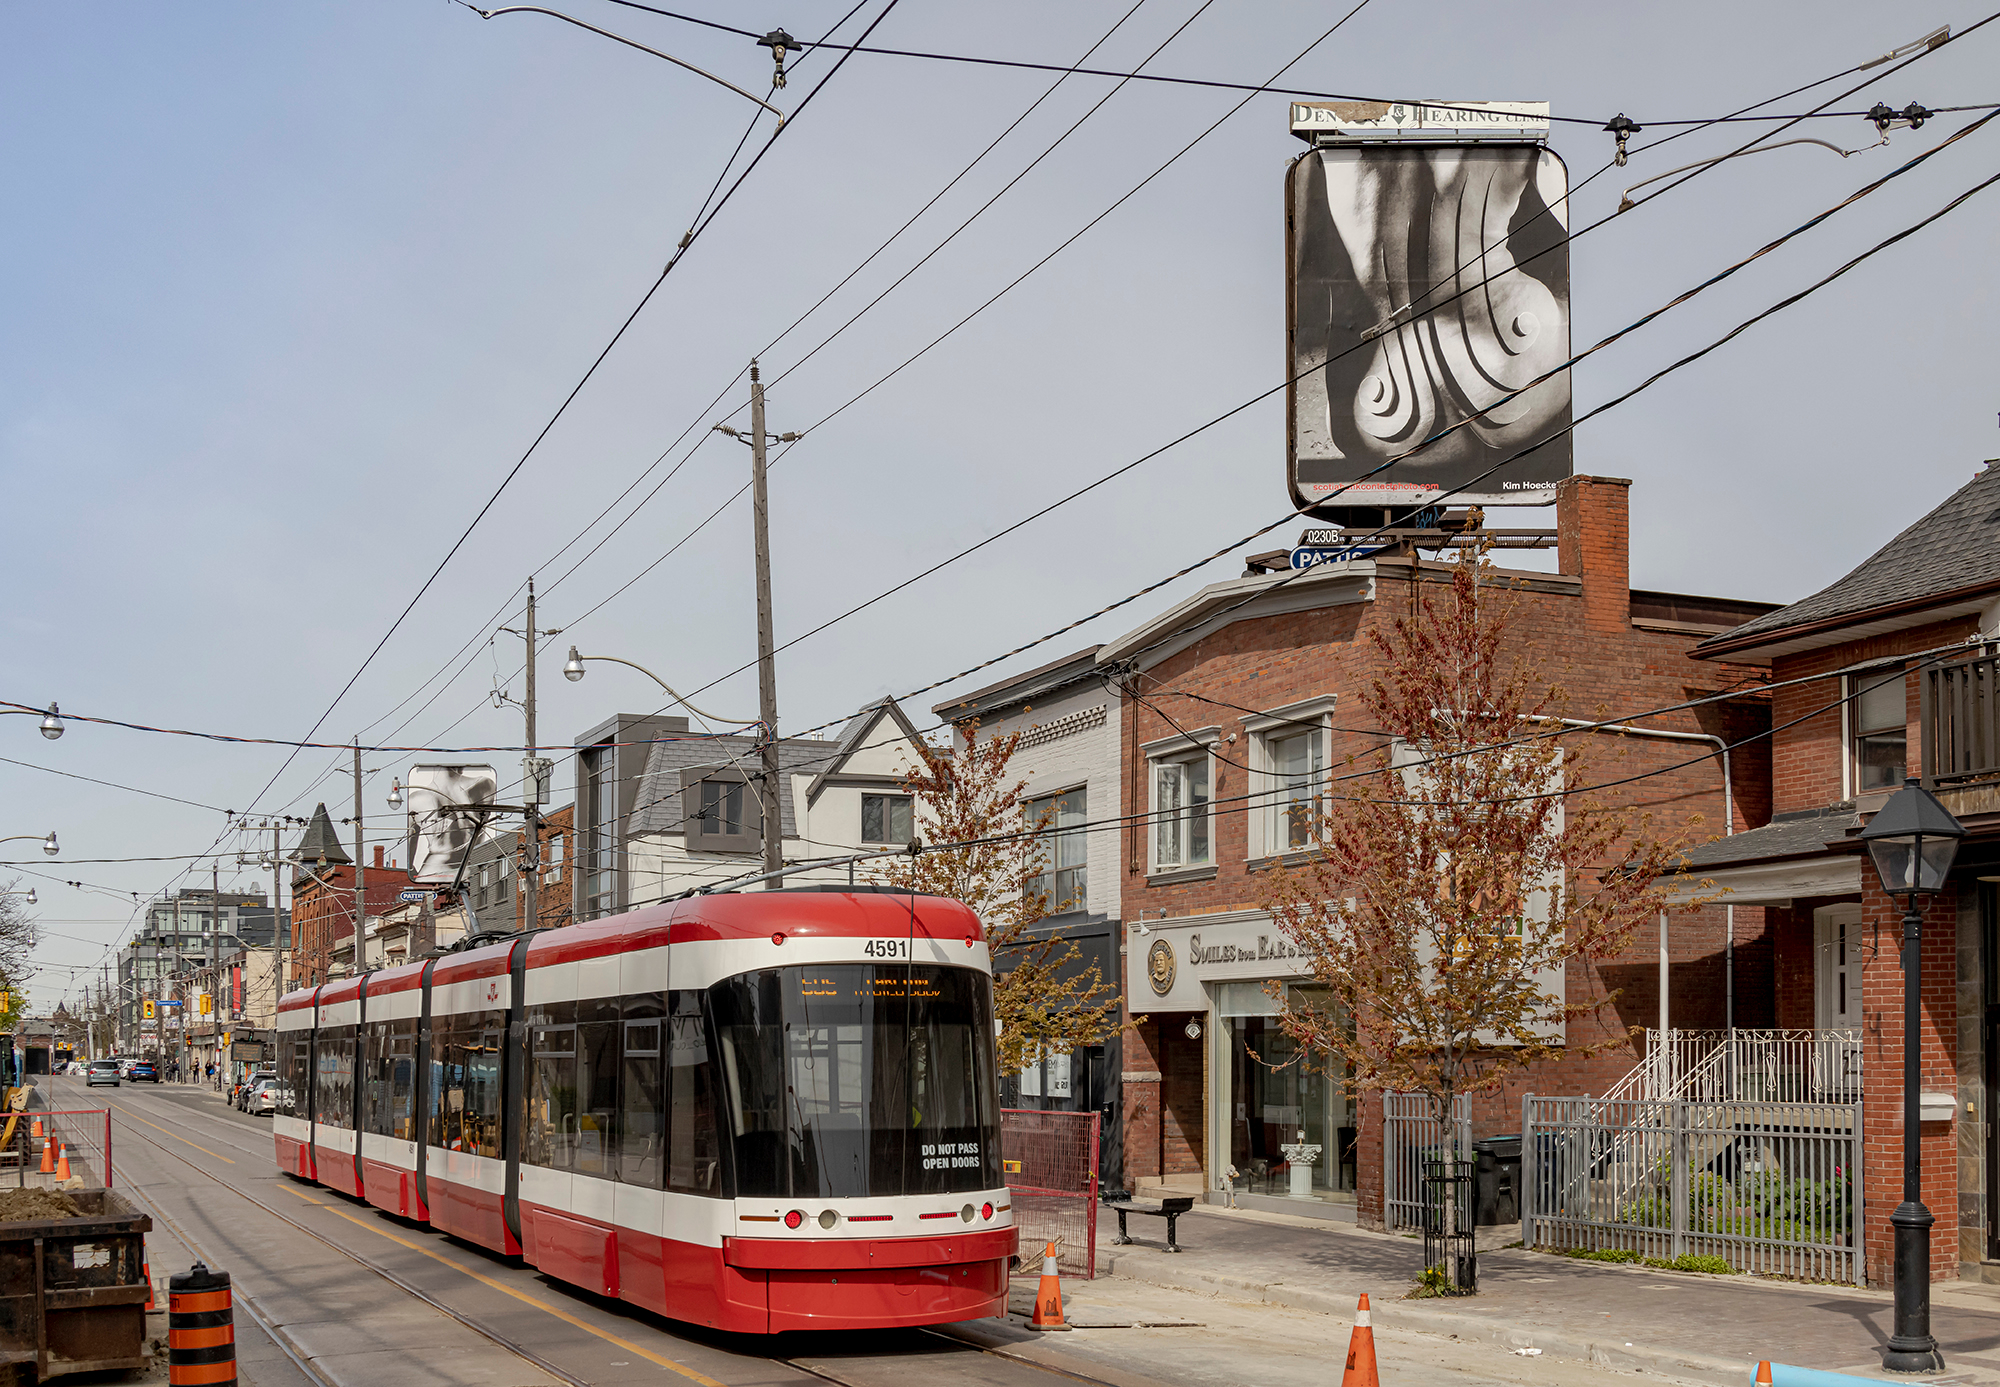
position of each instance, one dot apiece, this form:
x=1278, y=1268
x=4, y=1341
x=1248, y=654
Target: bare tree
x=986, y=851
x=17, y=941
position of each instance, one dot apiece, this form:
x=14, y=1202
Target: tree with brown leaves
x=1444, y=905
x=985, y=850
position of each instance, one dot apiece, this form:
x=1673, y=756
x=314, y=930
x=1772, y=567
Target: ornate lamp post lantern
x=1912, y=840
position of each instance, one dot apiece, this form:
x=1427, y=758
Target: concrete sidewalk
x=1703, y=1328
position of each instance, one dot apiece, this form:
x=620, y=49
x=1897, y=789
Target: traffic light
x=207, y=1004
x=146, y=1011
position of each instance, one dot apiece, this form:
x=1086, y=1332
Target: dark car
x=102, y=1072
x=143, y=1069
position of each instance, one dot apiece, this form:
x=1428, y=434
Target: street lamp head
x=49, y=844
x=1913, y=839
x=396, y=793
x=52, y=723
x=32, y=897
x=573, y=671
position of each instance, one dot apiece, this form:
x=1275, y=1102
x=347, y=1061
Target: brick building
x=1889, y=672
x=323, y=899
x=1237, y=701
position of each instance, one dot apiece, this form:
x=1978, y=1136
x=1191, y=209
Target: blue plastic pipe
x=1785, y=1375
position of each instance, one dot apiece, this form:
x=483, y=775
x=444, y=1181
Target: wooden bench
x=1168, y=1209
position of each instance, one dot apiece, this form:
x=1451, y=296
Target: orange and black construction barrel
x=201, y=1329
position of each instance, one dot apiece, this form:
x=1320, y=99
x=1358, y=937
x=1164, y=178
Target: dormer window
x=721, y=811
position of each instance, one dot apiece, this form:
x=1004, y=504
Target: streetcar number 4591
x=886, y=948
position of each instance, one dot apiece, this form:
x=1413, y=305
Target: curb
x=1415, y=1317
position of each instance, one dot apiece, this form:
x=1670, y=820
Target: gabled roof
x=321, y=840
x=856, y=734
x=1035, y=683
x=1946, y=564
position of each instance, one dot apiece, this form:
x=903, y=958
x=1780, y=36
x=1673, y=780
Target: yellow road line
x=626, y=1344
x=231, y=1160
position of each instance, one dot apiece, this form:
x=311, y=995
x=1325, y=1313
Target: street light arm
x=630, y=43
x=577, y=660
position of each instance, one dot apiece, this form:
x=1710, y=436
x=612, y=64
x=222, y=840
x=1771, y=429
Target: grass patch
x=1431, y=1283
x=1687, y=1261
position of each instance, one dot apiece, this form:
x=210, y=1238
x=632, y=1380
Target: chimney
x=1593, y=538
x=378, y=857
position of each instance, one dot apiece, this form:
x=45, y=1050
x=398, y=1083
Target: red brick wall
x=553, y=904
x=323, y=915
x=1579, y=634
x=1882, y=1077
x=1181, y=1095
x=1806, y=748
x=1140, y=1094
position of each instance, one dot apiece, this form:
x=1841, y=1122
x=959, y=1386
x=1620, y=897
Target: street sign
x=411, y=897
x=170, y=1001
x=1311, y=556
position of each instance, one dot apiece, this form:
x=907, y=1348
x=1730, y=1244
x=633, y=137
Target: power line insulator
x=1916, y=115
x=1883, y=116
x=780, y=43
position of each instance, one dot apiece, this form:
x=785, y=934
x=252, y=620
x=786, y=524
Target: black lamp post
x=1912, y=840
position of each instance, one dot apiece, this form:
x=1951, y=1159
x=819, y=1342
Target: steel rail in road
x=271, y=1327
x=525, y=1354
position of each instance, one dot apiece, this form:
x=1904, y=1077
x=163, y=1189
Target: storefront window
x=1279, y=1094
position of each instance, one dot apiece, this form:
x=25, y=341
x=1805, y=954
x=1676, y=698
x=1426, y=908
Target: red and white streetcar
x=757, y=1110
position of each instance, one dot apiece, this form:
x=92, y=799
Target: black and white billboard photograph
x=1428, y=296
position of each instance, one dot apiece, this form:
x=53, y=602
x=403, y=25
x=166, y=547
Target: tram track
x=817, y=1370
x=271, y=1327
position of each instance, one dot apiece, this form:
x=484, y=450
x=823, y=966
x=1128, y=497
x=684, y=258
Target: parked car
x=263, y=1099
x=102, y=1072
x=248, y=1087
x=143, y=1069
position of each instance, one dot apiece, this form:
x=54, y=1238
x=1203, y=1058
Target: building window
x=1064, y=875
x=1295, y=767
x=720, y=812
x=1879, y=717
x=555, y=846
x=885, y=819
x=1180, y=813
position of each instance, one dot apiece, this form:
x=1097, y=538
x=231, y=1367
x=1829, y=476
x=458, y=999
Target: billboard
x=1425, y=284
x=441, y=827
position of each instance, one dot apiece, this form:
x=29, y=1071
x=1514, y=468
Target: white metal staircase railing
x=1783, y=1066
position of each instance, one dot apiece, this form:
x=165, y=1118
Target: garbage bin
x=1498, y=1180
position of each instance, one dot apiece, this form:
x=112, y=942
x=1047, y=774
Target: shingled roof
x=1951, y=556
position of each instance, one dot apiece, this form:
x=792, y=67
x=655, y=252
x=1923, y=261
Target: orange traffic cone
x=38, y=1129
x=1048, y=1296
x=62, y=1162
x=1361, y=1352
x=48, y=1157
x=1764, y=1373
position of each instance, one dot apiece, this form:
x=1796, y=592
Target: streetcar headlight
x=795, y=1218
x=966, y=1213
x=986, y=1210
x=827, y=1218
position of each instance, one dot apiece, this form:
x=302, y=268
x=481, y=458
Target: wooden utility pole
x=767, y=669
x=360, y=873
x=531, y=788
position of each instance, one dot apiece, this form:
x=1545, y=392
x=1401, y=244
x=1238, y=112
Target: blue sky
x=290, y=288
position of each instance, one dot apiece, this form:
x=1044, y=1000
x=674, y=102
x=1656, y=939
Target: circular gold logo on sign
x=1160, y=967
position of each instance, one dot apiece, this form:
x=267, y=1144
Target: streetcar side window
x=447, y=1080
x=694, y=1164
x=295, y=1060
x=375, y=1078
x=597, y=1086
x=483, y=1038
x=642, y=1106
x=403, y=1079
x=549, y=1135
x=334, y=1077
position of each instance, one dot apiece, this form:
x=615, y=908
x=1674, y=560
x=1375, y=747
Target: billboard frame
x=1400, y=493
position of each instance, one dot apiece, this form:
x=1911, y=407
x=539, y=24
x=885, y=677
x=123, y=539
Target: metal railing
x=1766, y=1186
x=1411, y=1135
x=1961, y=718
x=1790, y=1066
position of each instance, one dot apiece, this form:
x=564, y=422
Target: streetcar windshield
x=857, y=1079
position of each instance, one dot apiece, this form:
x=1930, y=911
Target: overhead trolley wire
x=680, y=251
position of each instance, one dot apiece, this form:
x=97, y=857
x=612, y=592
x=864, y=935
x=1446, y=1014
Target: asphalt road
x=332, y=1291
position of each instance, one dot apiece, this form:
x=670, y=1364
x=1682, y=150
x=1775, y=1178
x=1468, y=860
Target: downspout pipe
x=1728, y=829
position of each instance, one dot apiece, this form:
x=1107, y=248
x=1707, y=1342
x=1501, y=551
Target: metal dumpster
x=72, y=1292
